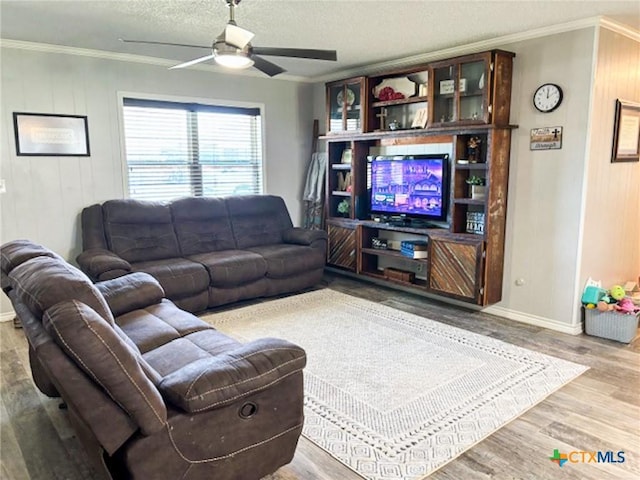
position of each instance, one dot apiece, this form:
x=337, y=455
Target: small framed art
x=51, y=135
x=626, y=132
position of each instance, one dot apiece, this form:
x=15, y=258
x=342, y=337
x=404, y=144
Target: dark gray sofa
x=152, y=391
x=205, y=252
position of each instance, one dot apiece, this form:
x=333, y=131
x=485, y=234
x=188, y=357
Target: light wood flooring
x=600, y=410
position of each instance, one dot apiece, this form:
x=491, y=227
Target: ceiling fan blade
x=193, y=62
x=266, y=66
x=236, y=36
x=297, y=53
x=163, y=43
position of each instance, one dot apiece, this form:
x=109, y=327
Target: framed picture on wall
x=626, y=132
x=51, y=135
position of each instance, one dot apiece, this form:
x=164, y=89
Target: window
x=187, y=149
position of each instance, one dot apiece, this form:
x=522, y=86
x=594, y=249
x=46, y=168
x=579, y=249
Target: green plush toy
x=617, y=292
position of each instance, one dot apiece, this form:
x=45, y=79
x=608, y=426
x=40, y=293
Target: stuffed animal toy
x=617, y=292
x=626, y=306
x=603, y=306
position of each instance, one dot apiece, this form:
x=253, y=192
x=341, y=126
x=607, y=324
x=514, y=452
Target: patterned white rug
x=394, y=395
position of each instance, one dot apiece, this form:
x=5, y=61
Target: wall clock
x=547, y=97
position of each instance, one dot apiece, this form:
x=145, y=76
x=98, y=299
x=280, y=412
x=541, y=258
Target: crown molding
x=620, y=28
x=128, y=57
x=481, y=46
x=404, y=62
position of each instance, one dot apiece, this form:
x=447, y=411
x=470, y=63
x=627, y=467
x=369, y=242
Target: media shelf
x=468, y=101
x=417, y=283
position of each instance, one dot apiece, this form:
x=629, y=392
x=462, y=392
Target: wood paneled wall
x=611, y=238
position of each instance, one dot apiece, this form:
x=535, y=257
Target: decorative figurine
x=473, y=149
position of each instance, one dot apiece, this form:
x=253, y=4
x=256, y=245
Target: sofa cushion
x=140, y=231
x=214, y=381
x=42, y=282
x=179, y=277
x=258, y=219
x=229, y=268
x=182, y=351
x=98, y=350
x=158, y=324
x=130, y=292
x=202, y=225
x=284, y=260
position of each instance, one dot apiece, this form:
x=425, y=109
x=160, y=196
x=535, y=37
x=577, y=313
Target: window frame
x=121, y=95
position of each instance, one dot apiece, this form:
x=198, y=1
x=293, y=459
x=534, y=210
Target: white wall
x=611, y=238
x=546, y=187
x=46, y=194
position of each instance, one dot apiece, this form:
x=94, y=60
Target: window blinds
x=182, y=149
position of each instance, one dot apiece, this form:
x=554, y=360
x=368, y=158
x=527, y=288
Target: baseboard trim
x=7, y=316
x=533, y=320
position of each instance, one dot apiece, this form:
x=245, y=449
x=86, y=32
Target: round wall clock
x=547, y=97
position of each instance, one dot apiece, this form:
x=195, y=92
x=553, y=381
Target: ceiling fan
x=232, y=49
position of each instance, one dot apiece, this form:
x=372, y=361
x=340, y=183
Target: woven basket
x=616, y=326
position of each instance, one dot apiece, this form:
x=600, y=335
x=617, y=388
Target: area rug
x=393, y=395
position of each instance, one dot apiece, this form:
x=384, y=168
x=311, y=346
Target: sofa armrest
x=217, y=381
x=303, y=236
x=101, y=264
x=130, y=292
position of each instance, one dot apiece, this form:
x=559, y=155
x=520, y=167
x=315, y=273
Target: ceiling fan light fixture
x=238, y=61
x=231, y=57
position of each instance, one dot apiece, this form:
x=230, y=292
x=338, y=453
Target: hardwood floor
x=599, y=411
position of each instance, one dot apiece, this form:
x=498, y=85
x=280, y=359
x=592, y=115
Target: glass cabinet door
x=353, y=107
x=461, y=91
x=444, y=89
x=474, y=77
x=336, y=108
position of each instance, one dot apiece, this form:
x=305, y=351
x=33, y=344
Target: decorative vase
x=478, y=192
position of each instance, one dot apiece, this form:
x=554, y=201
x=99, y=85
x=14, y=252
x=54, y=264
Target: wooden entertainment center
x=466, y=102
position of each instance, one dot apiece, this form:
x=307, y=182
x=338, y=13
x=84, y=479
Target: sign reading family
x=546, y=138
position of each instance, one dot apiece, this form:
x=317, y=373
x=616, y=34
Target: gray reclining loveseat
x=152, y=391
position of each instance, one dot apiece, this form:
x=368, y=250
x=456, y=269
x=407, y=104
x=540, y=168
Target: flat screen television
x=410, y=186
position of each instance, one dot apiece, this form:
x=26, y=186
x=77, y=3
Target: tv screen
x=411, y=185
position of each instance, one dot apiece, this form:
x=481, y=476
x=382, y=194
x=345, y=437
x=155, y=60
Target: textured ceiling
x=364, y=32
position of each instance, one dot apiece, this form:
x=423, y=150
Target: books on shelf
x=475, y=222
x=414, y=248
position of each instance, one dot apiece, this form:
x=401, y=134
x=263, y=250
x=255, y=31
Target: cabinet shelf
x=392, y=254
x=478, y=93
x=418, y=132
x=401, y=101
x=471, y=166
x=468, y=201
x=417, y=283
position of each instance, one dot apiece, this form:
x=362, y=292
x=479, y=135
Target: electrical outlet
x=420, y=268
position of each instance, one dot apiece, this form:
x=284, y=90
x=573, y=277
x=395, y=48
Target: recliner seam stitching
x=228, y=455
x=235, y=360
x=244, y=394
